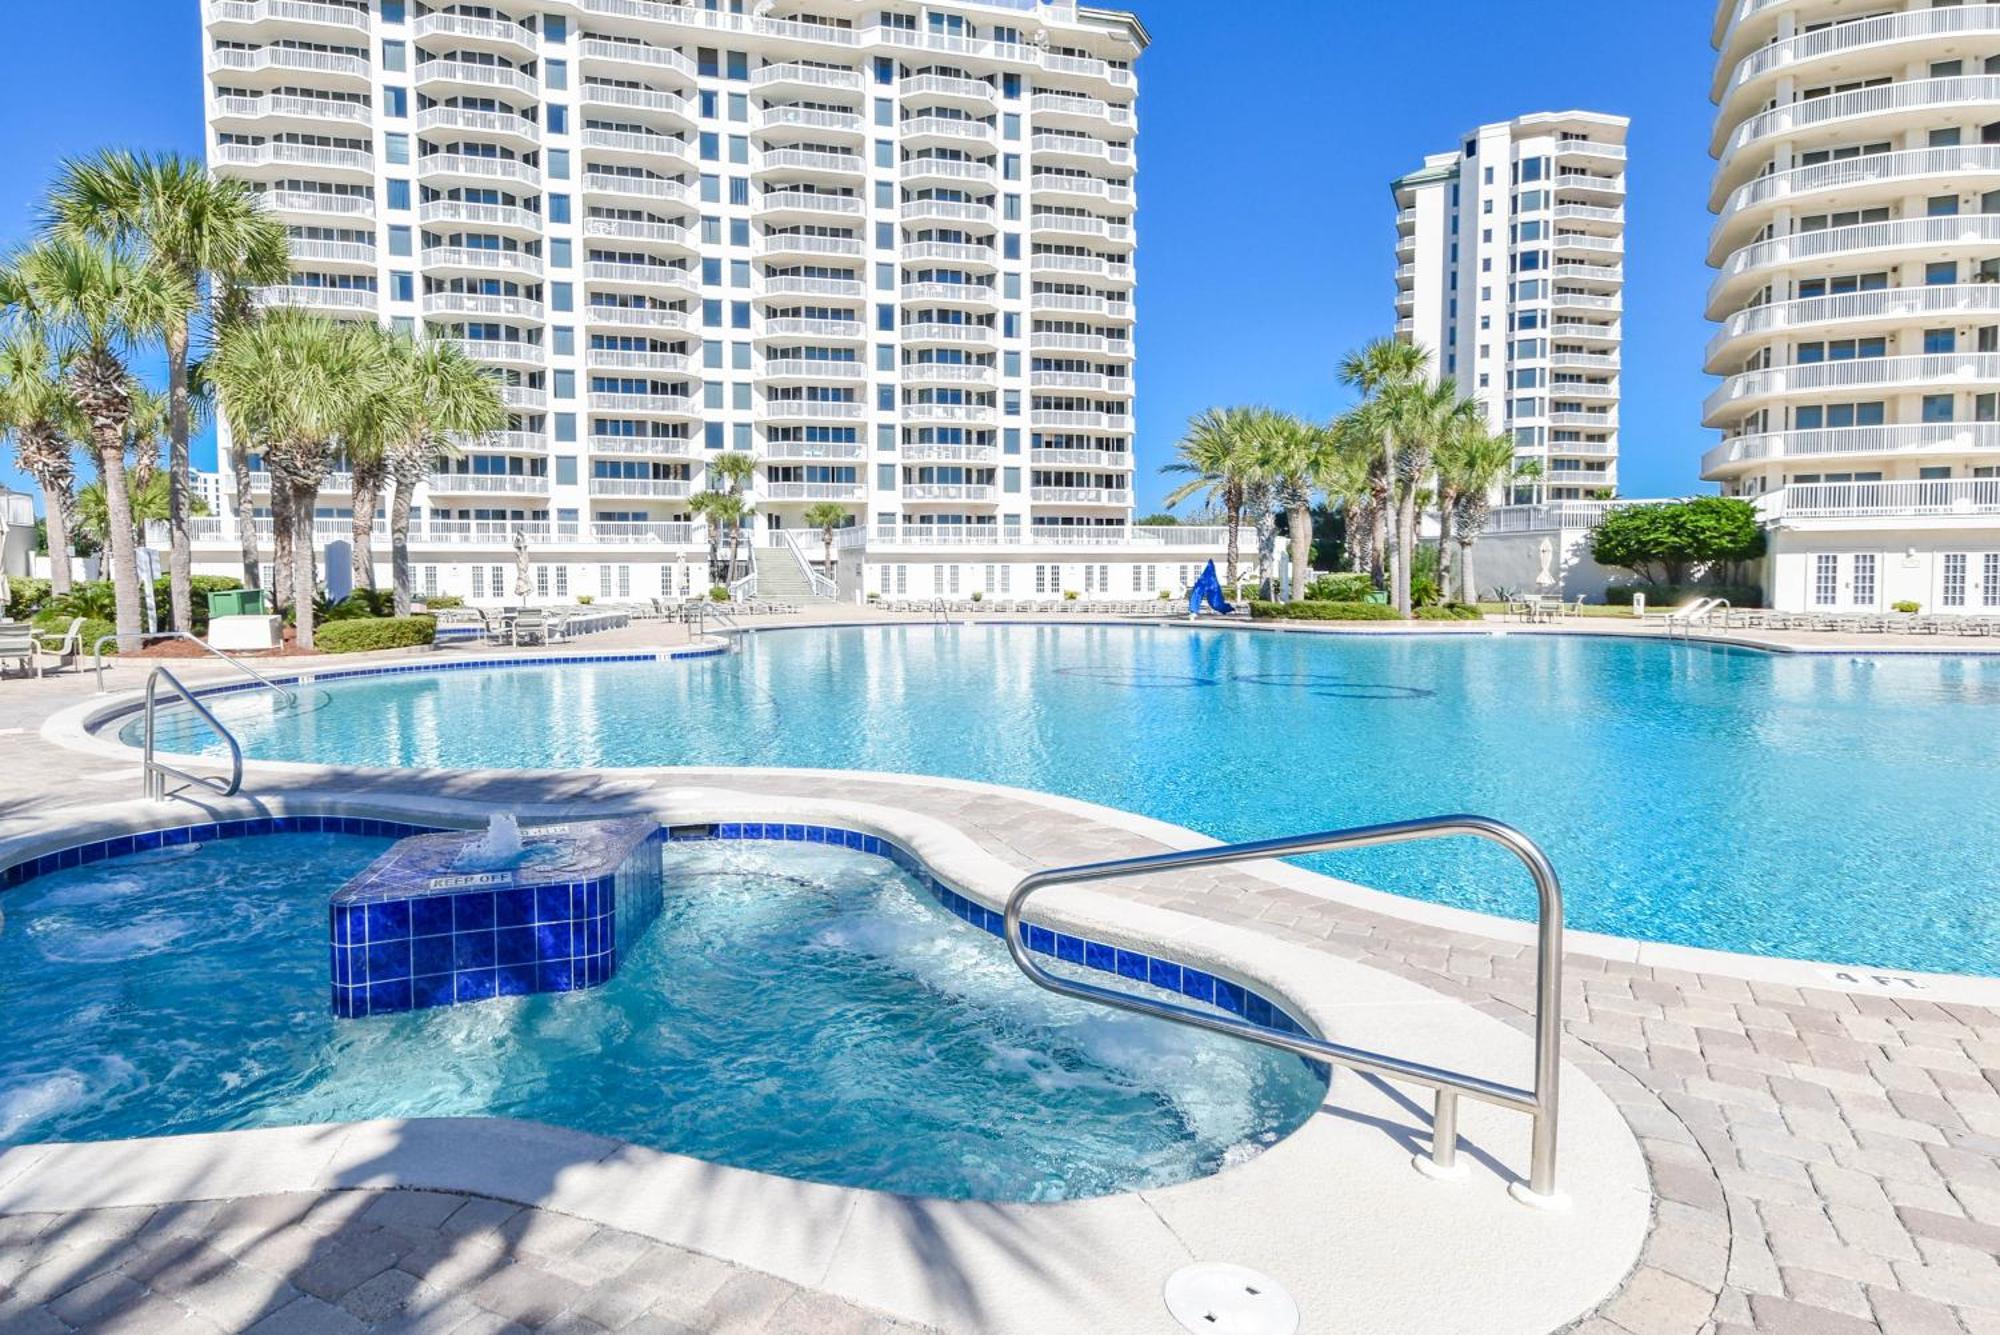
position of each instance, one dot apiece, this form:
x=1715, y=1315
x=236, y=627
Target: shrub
x=1673, y=595
x=718, y=593
x=874, y=597
x=94, y=628
x=358, y=606
x=1349, y=586
x=583, y=600
x=1319, y=611
x=1070, y=595
x=1449, y=612
x=1905, y=606
x=1424, y=591
x=977, y=596
x=25, y=596
x=437, y=602
x=95, y=599
x=1667, y=540
x=361, y=635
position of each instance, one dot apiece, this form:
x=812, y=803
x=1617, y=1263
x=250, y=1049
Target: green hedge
x=1662, y=596
x=1449, y=612
x=359, y=636
x=437, y=602
x=1348, y=586
x=1318, y=611
x=25, y=596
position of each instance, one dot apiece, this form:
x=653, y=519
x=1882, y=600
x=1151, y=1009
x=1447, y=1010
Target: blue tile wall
x=82, y=855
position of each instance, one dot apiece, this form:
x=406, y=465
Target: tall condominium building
x=1857, y=256
x=1509, y=268
x=884, y=247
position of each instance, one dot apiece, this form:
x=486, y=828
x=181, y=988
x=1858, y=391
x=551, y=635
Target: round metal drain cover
x=1225, y=1299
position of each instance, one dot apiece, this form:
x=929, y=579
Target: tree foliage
x=1664, y=541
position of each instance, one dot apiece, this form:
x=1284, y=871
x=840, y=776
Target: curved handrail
x=97, y=653
x=153, y=773
x=1539, y=1101
x=821, y=586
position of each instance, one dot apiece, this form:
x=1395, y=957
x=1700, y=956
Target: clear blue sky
x=1269, y=130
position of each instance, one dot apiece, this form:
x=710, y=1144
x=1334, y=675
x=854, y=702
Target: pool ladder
x=154, y=772
x=1539, y=1101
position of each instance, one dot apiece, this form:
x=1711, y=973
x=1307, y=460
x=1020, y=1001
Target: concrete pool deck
x=1824, y=1157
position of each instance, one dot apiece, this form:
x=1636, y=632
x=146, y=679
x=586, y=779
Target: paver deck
x=1824, y=1161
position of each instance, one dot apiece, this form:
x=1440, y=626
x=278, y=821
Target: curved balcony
x=1083, y=268
x=817, y=450
x=640, y=187
x=459, y=213
x=486, y=124
x=473, y=260
x=676, y=109
x=1849, y=443
x=479, y=304
x=1887, y=109
x=1942, y=499
x=947, y=373
x=807, y=163
x=487, y=484
x=1060, y=185
x=1602, y=335
x=983, y=414
x=524, y=396
x=504, y=352
x=622, y=58
x=1878, y=178
x=1841, y=248
x=951, y=294
x=477, y=170
x=1067, y=458
x=957, y=254
x=473, y=33
x=635, y=149
x=286, y=159
x=318, y=205
x=1746, y=23
x=1082, y=224
x=670, y=237
x=1847, y=314
x=796, y=77
x=1082, y=149
x=328, y=300
x=948, y=90
x=643, y=447
x=646, y=277
x=949, y=491
x=823, y=331
x=957, y=172
x=240, y=19
x=813, y=491
x=1598, y=420
x=957, y=335
x=1094, y=345
x=355, y=254
x=795, y=245
x=812, y=410
x=283, y=63
x=808, y=205
x=646, y=405
x=950, y=212
x=1071, y=419
x=443, y=78
x=270, y=113
x=1076, y=303
x=813, y=369
x=651, y=319
x=772, y=287
x=667, y=487
x=1891, y=40
x=618, y=359
x=923, y=130
x=951, y=454
x=1074, y=111
x=1079, y=495
x=813, y=121
x=1092, y=382
x=508, y=442
x=1930, y=372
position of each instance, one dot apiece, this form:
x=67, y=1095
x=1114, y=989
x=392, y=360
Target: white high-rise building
x=884, y=247
x=1857, y=249
x=1509, y=270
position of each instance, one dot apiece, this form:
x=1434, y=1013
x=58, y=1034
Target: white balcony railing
x=1884, y=500
x=1852, y=441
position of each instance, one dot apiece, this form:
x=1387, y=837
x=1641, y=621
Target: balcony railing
x=1941, y=371
x=1848, y=442
x=1887, y=304
x=1884, y=500
x=640, y=486
x=488, y=484
x=813, y=491
x=1904, y=95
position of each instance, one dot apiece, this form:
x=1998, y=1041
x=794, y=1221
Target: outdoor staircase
x=780, y=579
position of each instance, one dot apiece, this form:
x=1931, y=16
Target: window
x=1826, y=580
x=1864, y=579
x=1954, y=580
x=1940, y=340
x=1989, y=579
x=562, y=581
x=1937, y=407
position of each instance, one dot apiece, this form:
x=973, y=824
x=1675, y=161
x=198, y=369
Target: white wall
x=1909, y=566
x=1513, y=561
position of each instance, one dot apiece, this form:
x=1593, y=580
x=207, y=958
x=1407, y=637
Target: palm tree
x=1384, y=371
x=826, y=516
x=1297, y=456
x=720, y=509
x=35, y=407
x=205, y=231
x=439, y=393
x=1217, y=454
x=1530, y=471
x=102, y=304
x=1428, y=417
x=1465, y=447
x=303, y=385
x=1478, y=463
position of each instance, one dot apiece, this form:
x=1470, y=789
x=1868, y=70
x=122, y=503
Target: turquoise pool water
x=1831, y=808
x=803, y=1010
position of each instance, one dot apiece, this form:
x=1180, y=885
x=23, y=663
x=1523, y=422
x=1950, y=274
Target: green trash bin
x=236, y=602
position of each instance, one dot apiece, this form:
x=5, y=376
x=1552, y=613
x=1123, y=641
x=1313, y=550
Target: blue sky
x=1269, y=130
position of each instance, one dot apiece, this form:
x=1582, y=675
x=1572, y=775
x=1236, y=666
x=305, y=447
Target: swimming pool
x=1818, y=807
x=800, y=1009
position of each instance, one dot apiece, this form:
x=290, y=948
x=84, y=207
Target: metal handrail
x=707, y=608
x=153, y=774
x=821, y=586
x=97, y=653
x=940, y=613
x=1538, y=1101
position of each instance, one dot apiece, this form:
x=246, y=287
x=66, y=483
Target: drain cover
x=1225, y=1299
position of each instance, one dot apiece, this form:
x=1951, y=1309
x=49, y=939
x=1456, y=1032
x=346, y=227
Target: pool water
x=1829, y=808
x=803, y=1010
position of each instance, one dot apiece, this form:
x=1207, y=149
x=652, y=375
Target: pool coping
x=80, y=727
x=1044, y=1260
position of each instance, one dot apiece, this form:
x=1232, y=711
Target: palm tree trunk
x=1399, y=595
x=281, y=543
x=1299, y=520
x=180, y=550
x=1406, y=545
x=399, y=547
x=57, y=521
x=1446, y=498
x=1232, y=514
x=1465, y=576
x=304, y=499
x=246, y=505
x=361, y=546
x=118, y=524
x=735, y=549
x=1378, y=543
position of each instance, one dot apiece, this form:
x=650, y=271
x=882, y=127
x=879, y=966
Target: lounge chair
x=530, y=627
x=18, y=645
x=65, y=649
